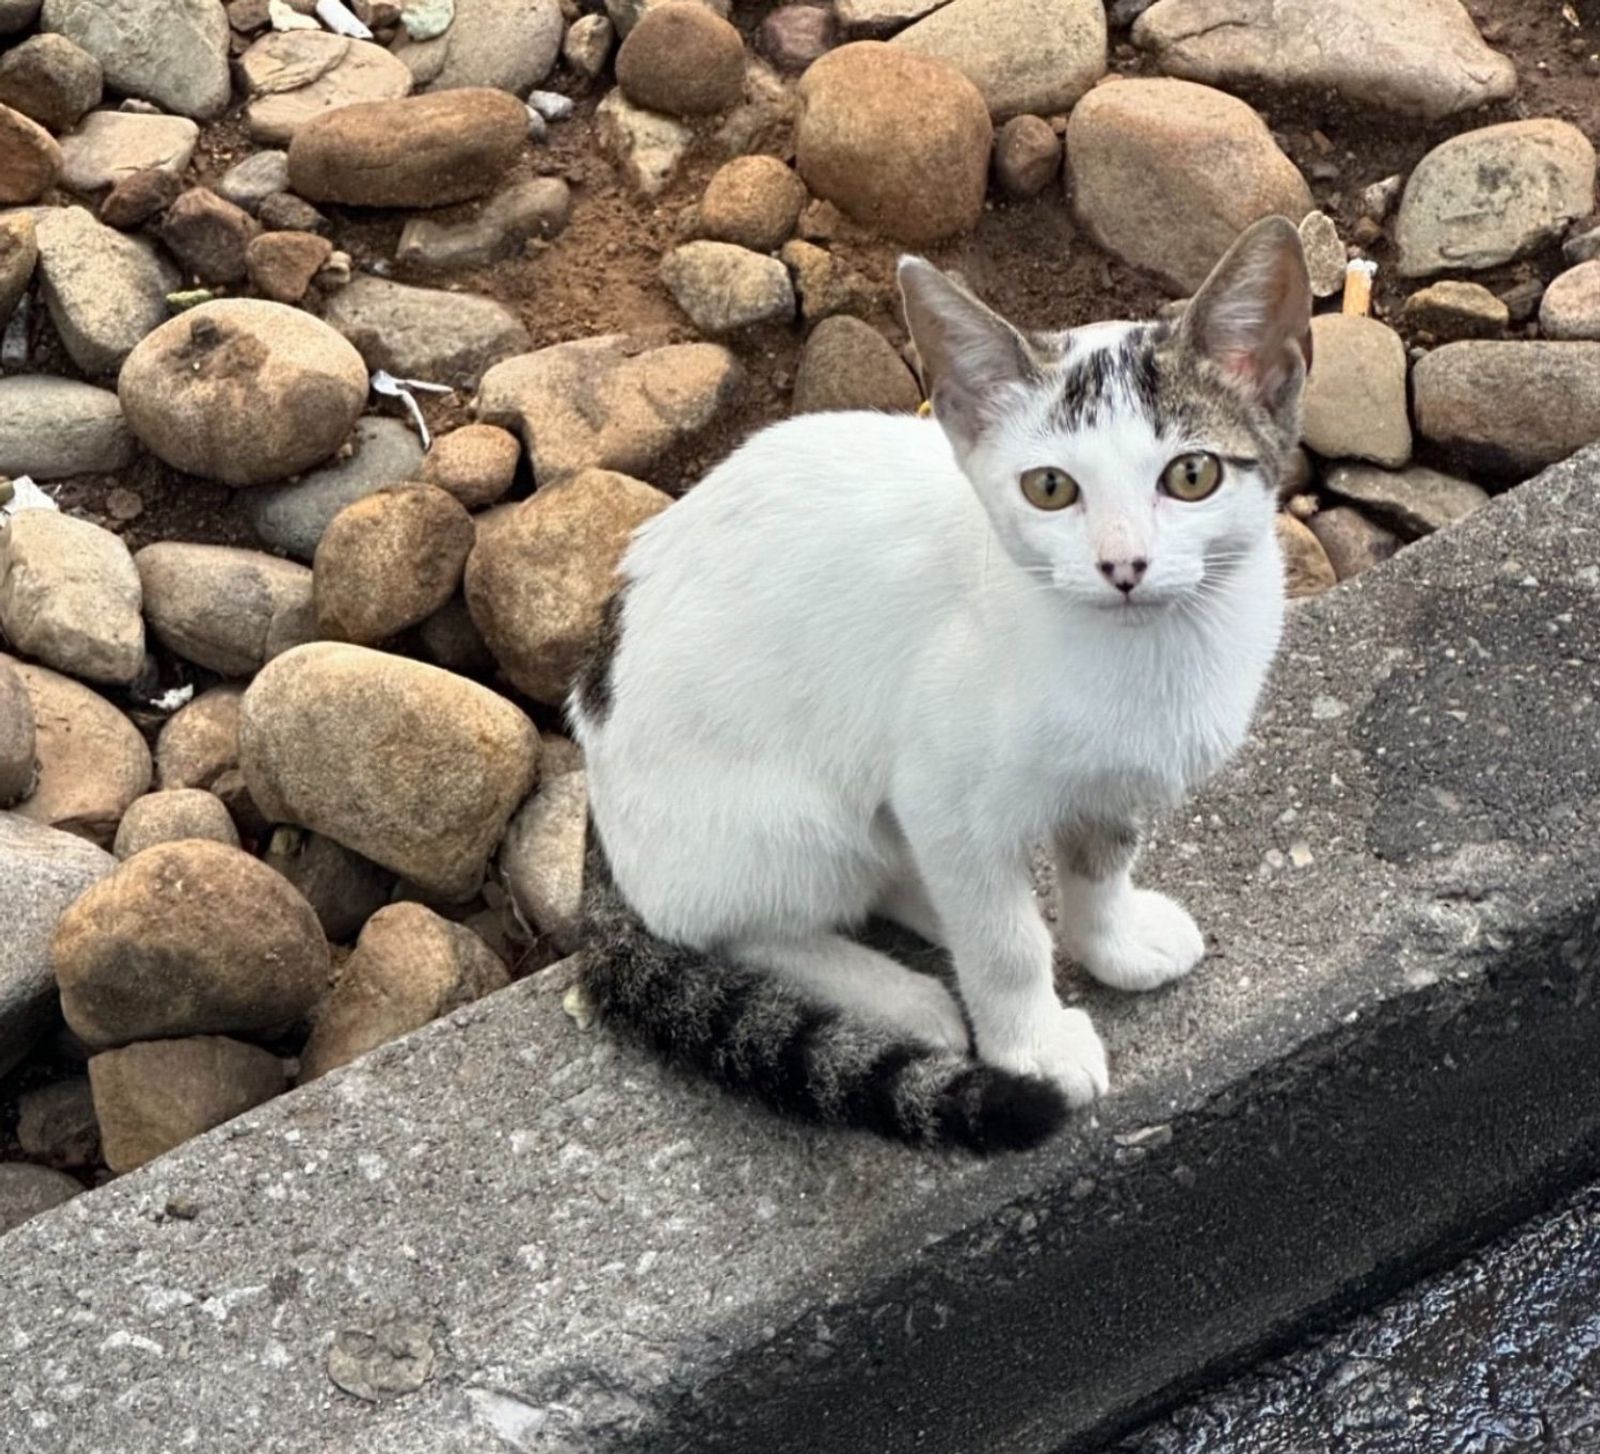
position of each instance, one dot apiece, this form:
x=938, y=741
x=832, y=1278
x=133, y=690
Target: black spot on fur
x=594, y=676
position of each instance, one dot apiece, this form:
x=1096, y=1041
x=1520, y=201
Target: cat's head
x=1123, y=464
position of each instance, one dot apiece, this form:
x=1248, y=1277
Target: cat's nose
x=1125, y=574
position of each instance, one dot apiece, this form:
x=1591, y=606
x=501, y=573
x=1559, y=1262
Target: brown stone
x=199, y=748
x=753, y=201
x=848, y=364
x=1306, y=567
x=476, y=463
x=18, y=737
x=30, y=160
x=137, y=197
x=824, y=285
x=1355, y=398
x=795, y=35
x=1352, y=542
x=1027, y=156
x=170, y=816
x=19, y=253
x=208, y=235
x=682, y=59
x=282, y=264
x=50, y=80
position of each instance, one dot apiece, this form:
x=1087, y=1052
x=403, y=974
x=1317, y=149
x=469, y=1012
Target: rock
x=876, y=121
x=1351, y=542
x=282, y=264
x=880, y=17
x=422, y=151
x=1415, y=501
x=1420, y=58
x=30, y=160
x=1355, y=398
x=587, y=46
x=389, y=561
x=223, y=608
x=154, y=1096
x=50, y=80
x=507, y=44
x=594, y=403
x=56, y=1124
x=541, y=860
x=1571, y=306
x=763, y=119
x=27, y=1191
x=753, y=201
x=199, y=748
x=17, y=15
x=1522, y=299
x=349, y=742
x=168, y=817
x=1025, y=56
x=343, y=888
x=292, y=76
x=824, y=285
x=284, y=212
x=138, y=197
x=41, y=872
x=476, y=463
x=92, y=761
x=243, y=391
x=1307, y=569
x=1377, y=201
x=53, y=429
x=250, y=182
x=105, y=291
x=409, y=967
x=187, y=938
x=69, y=595
x=536, y=584
x=682, y=59
x=1027, y=156
x=540, y=207
x=448, y=638
x=625, y=14
x=293, y=517
x=795, y=35
x=17, y=740
x=724, y=288
x=1325, y=259
x=1134, y=146
x=1450, y=310
x=19, y=254
x=1487, y=196
x=1582, y=248
x=171, y=52
x=847, y=364
x=1508, y=408
x=425, y=333
x=111, y=146
x=208, y=235
x=647, y=147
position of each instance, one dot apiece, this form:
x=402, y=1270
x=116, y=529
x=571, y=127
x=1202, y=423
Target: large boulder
x=172, y=52
x=415, y=768
x=243, y=391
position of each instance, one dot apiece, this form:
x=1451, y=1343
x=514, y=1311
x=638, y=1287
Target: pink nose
x=1125, y=574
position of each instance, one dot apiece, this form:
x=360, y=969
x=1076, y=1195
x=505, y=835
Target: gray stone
x=793, y=36
x=19, y=255
x=1571, y=304
x=50, y=79
x=1325, y=259
x=1027, y=156
x=1355, y=400
x=1507, y=408
x=509, y=44
x=536, y=208
x=292, y=517
x=1582, y=248
x=292, y=76
x=111, y=145
x=26, y=1191
x=1452, y=309
x=874, y=19
x=1487, y=196
x=1026, y=56
x=1330, y=1069
x=724, y=288
x=343, y=888
x=646, y=147
x=18, y=739
x=1352, y=543
x=1416, y=57
x=587, y=46
x=541, y=859
x=425, y=333
x=42, y=870
x=105, y=291
x=848, y=364
x=53, y=429
x=166, y=817
x=56, y=1124
x=171, y=52
x=250, y=182
x=1416, y=501
x=18, y=15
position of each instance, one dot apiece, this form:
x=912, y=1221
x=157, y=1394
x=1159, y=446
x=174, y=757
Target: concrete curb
x=512, y=1235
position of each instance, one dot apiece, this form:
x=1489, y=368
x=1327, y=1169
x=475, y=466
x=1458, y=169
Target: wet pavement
x=1501, y=1353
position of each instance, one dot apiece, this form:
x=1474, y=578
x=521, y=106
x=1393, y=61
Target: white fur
x=853, y=676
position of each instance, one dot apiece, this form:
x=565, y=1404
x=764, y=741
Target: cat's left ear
x=973, y=361
x=1252, y=316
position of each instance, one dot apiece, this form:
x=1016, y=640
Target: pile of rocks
x=365, y=816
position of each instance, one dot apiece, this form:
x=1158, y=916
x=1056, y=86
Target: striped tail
x=755, y=1034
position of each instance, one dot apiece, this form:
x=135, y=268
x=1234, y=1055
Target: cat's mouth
x=1131, y=610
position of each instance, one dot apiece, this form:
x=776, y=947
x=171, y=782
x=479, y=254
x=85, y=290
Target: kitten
x=872, y=660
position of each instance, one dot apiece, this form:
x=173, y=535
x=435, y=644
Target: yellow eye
x=1049, y=488
x=1192, y=477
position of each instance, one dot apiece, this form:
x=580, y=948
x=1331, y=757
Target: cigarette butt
x=1358, y=287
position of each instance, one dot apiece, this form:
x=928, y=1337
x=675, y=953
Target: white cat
x=872, y=660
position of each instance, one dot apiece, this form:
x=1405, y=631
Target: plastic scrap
x=385, y=383
x=285, y=17
x=171, y=700
x=338, y=19
x=22, y=494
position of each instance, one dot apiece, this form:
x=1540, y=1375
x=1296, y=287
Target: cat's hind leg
x=862, y=982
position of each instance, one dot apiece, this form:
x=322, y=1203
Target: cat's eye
x=1049, y=488
x=1191, y=477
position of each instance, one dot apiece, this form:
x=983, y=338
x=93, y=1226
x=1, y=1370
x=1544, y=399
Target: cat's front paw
x=1062, y=1046
x=1153, y=942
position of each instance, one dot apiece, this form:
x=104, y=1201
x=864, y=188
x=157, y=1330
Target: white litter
x=551, y=105
x=24, y=495
x=340, y=21
x=285, y=17
x=170, y=701
x=385, y=383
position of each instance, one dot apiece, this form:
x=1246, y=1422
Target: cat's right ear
x=972, y=360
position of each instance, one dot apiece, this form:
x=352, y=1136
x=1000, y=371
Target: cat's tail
x=756, y=1034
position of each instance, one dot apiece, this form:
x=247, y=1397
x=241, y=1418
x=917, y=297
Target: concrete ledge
x=554, y=1246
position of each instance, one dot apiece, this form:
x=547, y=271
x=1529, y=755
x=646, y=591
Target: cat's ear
x=972, y=359
x=1252, y=316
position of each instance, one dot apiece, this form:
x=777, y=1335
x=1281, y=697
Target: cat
x=872, y=660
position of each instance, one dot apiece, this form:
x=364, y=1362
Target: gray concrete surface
x=504, y=1233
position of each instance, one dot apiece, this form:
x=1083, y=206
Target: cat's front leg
x=1128, y=938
